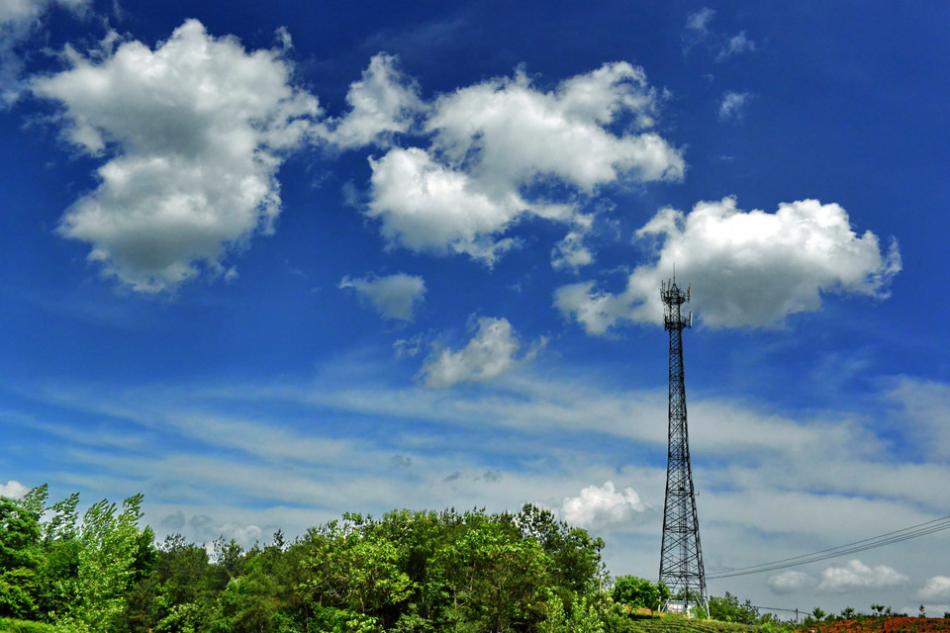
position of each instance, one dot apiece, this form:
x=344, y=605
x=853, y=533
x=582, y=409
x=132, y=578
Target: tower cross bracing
x=681, y=555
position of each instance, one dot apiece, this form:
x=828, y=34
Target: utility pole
x=681, y=557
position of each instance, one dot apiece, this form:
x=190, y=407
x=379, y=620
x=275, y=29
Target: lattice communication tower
x=681, y=557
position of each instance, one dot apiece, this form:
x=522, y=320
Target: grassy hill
x=684, y=625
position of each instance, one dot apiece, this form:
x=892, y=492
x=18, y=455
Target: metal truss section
x=681, y=556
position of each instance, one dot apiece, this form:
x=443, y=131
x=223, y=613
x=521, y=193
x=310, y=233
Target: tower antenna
x=681, y=556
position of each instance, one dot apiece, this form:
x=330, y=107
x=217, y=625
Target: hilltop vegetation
x=426, y=572
x=407, y=571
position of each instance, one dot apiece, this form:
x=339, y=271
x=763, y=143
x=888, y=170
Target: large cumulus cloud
x=747, y=268
x=495, y=148
x=193, y=132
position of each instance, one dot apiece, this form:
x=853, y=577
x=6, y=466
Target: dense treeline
x=462, y=572
x=407, y=571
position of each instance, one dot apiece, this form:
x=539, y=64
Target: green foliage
x=583, y=618
x=727, y=609
x=108, y=546
x=639, y=592
x=406, y=572
x=20, y=556
x=333, y=620
x=25, y=626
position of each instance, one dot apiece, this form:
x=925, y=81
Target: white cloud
x=490, y=353
x=518, y=132
x=699, y=21
x=196, y=130
x=204, y=528
x=392, y=296
x=382, y=103
x=747, y=269
x=19, y=20
x=245, y=535
x=286, y=41
x=21, y=11
x=571, y=252
x=733, y=105
x=790, y=581
x=857, y=575
x=546, y=427
x=601, y=506
x=408, y=347
x=13, y=489
x=494, y=141
x=924, y=409
x=698, y=32
x=736, y=45
x=426, y=206
x=596, y=311
x=936, y=588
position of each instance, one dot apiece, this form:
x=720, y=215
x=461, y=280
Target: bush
x=639, y=592
x=22, y=626
x=728, y=609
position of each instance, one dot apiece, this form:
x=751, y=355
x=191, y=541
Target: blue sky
x=267, y=264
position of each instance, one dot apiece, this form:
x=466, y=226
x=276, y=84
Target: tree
x=818, y=614
x=492, y=577
x=109, y=543
x=583, y=618
x=409, y=572
x=574, y=554
x=60, y=567
x=639, y=592
x=727, y=609
x=20, y=553
x=847, y=613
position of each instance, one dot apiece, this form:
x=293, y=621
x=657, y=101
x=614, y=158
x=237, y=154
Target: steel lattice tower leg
x=681, y=557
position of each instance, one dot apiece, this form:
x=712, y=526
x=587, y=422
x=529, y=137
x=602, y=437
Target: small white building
x=680, y=607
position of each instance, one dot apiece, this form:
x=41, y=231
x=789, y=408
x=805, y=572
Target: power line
x=888, y=538
x=866, y=540
x=836, y=552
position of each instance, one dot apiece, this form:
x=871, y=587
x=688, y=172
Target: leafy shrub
x=639, y=592
x=23, y=626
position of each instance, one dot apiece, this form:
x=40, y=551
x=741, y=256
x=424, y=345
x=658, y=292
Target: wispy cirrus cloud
x=698, y=32
x=306, y=451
